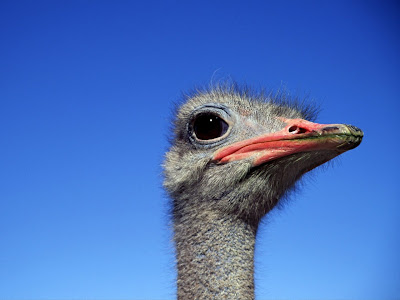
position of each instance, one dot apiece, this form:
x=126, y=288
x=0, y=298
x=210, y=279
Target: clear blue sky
x=86, y=92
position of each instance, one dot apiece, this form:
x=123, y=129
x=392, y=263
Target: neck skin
x=215, y=254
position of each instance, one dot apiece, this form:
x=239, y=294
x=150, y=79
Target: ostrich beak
x=297, y=137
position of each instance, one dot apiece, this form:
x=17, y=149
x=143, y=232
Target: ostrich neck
x=215, y=254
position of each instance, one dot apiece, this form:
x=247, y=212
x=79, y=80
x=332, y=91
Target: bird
x=234, y=154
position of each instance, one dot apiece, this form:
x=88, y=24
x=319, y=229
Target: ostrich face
x=240, y=154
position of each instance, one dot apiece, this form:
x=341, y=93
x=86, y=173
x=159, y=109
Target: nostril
x=296, y=130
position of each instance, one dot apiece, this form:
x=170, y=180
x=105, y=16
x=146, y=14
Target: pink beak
x=298, y=136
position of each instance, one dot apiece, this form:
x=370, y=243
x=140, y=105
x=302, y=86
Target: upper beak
x=296, y=137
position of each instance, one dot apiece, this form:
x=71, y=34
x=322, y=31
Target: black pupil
x=209, y=126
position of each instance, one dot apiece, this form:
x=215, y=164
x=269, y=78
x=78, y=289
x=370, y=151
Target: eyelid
x=218, y=110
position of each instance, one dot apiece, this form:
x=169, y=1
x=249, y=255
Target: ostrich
x=234, y=155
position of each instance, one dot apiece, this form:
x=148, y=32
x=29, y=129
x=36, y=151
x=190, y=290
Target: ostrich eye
x=209, y=126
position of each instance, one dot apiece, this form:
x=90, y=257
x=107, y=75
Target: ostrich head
x=237, y=152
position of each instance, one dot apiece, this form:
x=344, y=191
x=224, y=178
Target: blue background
x=86, y=94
